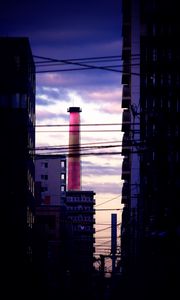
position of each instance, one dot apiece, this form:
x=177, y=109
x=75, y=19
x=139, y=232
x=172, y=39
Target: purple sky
x=66, y=30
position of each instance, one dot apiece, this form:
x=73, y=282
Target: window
x=62, y=176
x=62, y=188
x=44, y=164
x=154, y=54
x=45, y=177
x=62, y=164
x=44, y=189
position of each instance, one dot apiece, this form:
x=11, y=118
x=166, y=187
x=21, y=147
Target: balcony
x=126, y=120
x=126, y=144
x=126, y=78
x=126, y=97
x=126, y=168
x=126, y=54
x=125, y=192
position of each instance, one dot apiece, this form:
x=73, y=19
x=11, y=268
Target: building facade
x=81, y=240
x=17, y=173
x=50, y=223
x=51, y=179
x=150, y=238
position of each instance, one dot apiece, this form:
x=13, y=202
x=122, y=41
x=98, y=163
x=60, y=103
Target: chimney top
x=74, y=109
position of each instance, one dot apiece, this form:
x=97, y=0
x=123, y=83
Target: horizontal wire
x=108, y=200
x=78, y=59
x=69, y=62
x=90, y=153
x=106, y=130
x=79, y=125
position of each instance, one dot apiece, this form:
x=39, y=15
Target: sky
x=90, y=32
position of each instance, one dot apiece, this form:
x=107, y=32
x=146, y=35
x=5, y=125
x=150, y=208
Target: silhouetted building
x=150, y=236
x=80, y=239
x=51, y=253
x=17, y=130
x=50, y=224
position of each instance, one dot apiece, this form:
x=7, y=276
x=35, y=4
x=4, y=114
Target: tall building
x=17, y=130
x=50, y=224
x=80, y=216
x=150, y=238
x=51, y=178
x=81, y=240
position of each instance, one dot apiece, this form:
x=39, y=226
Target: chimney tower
x=74, y=164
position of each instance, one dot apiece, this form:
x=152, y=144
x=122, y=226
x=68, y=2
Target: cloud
x=103, y=188
x=90, y=169
x=55, y=98
x=46, y=95
x=79, y=79
x=44, y=115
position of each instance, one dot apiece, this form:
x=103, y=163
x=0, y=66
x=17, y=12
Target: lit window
x=62, y=188
x=62, y=164
x=62, y=176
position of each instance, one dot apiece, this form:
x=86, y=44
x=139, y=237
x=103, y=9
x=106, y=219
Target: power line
x=79, y=59
x=101, y=209
x=70, y=62
x=79, y=150
x=89, y=153
x=107, y=227
x=106, y=130
x=108, y=201
x=79, y=125
x=77, y=147
x=49, y=63
x=85, y=64
x=103, y=229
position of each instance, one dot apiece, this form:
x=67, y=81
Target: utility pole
x=113, y=240
x=102, y=266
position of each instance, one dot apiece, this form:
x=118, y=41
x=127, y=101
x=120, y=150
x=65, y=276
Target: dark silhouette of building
x=80, y=240
x=51, y=226
x=17, y=130
x=50, y=252
x=150, y=237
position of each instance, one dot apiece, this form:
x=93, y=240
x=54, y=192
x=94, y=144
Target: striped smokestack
x=74, y=164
